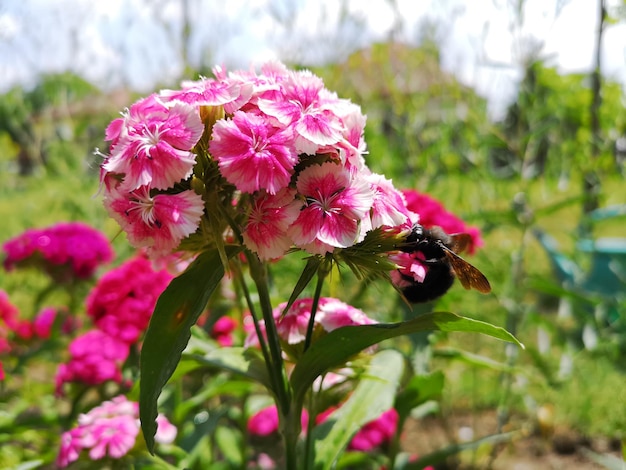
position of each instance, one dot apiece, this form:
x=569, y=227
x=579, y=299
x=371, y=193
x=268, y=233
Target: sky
x=138, y=42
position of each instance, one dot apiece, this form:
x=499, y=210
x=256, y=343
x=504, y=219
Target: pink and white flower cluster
x=109, y=430
x=290, y=147
x=331, y=314
x=120, y=305
x=66, y=251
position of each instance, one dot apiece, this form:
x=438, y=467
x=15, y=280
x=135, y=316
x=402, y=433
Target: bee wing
x=459, y=242
x=469, y=276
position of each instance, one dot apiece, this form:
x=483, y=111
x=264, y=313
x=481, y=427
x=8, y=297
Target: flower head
x=95, y=358
x=336, y=202
x=108, y=430
x=66, y=251
x=151, y=144
x=123, y=300
x=254, y=154
x=158, y=222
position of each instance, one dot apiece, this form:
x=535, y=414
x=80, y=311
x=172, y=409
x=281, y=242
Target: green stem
x=258, y=272
x=322, y=272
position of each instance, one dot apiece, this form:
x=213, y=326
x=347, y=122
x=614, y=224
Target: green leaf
x=244, y=361
x=440, y=455
x=373, y=395
x=419, y=390
x=338, y=346
x=176, y=311
x=475, y=360
x=312, y=265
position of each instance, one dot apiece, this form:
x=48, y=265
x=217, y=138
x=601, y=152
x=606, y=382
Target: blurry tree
x=547, y=130
x=53, y=124
x=414, y=110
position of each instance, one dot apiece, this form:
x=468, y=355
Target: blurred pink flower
x=376, y=433
x=65, y=251
x=95, y=358
x=433, y=213
x=123, y=300
x=222, y=331
x=109, y=430
x=265, y=421
x=11, y=326
x=152, y=142
x=42, y=325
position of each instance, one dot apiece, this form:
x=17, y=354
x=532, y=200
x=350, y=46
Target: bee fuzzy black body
x=437, y=251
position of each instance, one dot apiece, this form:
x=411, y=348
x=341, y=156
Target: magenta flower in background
x=222, y=331
x=109, y=430
x=66, y=251
x=42, y=324
x=376, y=433
x=123, y=300
x=151, y=144
x=433, y=213
x=265, y=421
x=95, y=358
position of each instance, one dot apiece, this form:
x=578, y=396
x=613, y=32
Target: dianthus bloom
x=331, y=314
x=66, y=251
x=11, y=326
x=109, y=430
x=275, y=155
x=433, y=213
x=377, y=433
x=265, y=421
x=95, y=358
x=123, y=300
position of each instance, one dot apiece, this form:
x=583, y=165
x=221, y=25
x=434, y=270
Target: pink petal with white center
x=267, y=225
x=336, y=201
x=153, y=147
x=253, y=154
x=389, y=207
x=158, y=223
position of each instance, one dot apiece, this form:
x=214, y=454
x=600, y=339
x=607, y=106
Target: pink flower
x=336, y=202
x=376, y=433
x=42, y=325
x=389, y=208
x=270, y=217
x=306, y=106
x=66, y=251
x=433, y=213
x=208, y=92
x=95, y=358
x=157, y=222
x=410, y=265
x=265, y=422
x=123, y=300
x=222, y=331
x=109, y=430
x=151, y=144
x=331, y=314
x=252, y=153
